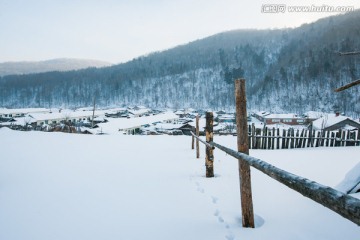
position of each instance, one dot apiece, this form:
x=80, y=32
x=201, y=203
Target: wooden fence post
x=264, y=137
x=197, y=140
x=249, y=136
x=332, y=142
x=258, y=138
x=283, y=142
x=243, y=146
x=297, y=139
x=209, y=158
x=192, y=139
x=273, y=144
x=253, y=135
x=309, y=143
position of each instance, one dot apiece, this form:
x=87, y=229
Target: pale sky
x=118, y=30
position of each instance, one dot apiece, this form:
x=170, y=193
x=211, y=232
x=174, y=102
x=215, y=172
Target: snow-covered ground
x=114, y=124
x=72, y=186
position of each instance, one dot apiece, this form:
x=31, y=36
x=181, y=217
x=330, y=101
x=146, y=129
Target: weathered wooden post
x=258, y=138
x=192, y=138
x=209, y=158
x=197, y=140
x=253, y=135
x=243, y=146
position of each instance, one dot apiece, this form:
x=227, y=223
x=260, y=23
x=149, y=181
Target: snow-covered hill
x=287, y=70
x=59, y=64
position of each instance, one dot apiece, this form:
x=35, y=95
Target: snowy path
x=63, y=186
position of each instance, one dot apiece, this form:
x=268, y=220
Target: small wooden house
x=186, y=129
x=333, y=122
x=180, y=113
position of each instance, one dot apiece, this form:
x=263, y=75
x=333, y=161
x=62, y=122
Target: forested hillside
x=292, y=70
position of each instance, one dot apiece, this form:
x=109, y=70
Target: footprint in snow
x=230, y=236
x=214, y=199
x=199, y=189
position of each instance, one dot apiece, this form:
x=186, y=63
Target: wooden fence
x=272, y=138
x=341, y=203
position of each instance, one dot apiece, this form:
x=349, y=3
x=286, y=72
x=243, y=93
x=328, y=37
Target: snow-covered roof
x=62, y=115
x=114, y=124
x=281, y=115
x=21, y=121
x=178, y=112
x=328, y=120
x=115, y=110
x=140, y=111
x=226, y=116
x=262, y=113
x=168, y=126
x=314, y=114
x=99, y=118
x=141, y=107
x=23, y=110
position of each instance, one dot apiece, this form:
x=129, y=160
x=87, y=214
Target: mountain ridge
x=56, y=64
x=287, y=70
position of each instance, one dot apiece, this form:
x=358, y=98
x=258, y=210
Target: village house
x=16, y=113
x=180, y=113
x=39, y=119
x=117, y=113
x=288, y=118
x=225, y=118
x=333, y=122
x=260, y=115
x=139, y=113
x=131, y=130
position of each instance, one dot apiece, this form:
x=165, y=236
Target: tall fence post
x=209, y=158
x=243, y=147
x=197, y=140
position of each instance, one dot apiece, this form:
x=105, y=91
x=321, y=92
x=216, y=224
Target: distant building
x=180, y=113
x=288, y=118
x=333, y=122
x=39, y=119
x=117, y=113
x=139, y=112
x=21, y=112
x=226, y=118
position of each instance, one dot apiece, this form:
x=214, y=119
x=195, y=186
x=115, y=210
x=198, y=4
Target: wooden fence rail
x=250, y=137
x=272, y=138
x=341, y=203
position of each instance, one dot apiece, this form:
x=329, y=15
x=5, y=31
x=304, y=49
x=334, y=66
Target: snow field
x=69, y=186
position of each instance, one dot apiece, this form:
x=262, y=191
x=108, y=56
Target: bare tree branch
x=347, y=86
x=348, y=53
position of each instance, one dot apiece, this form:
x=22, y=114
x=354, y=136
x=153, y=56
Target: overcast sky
x=118, y=30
